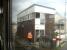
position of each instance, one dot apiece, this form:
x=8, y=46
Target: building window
x=19, y=19
x=26, y=17
x=42, y=21
x=31, y=16
x=37, y=15
x=37, y=33
x=51, y=16
x=23, y=18
x=59, y=26
x=42, y=18
x=42, y=32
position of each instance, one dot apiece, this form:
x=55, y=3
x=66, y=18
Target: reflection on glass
x=38, y=19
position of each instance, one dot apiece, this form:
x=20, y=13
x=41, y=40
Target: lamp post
x=65, y=19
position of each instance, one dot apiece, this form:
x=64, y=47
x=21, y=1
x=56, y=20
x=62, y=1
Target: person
x=29, y=36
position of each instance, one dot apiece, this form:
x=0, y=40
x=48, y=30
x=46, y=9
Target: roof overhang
x=37, y=8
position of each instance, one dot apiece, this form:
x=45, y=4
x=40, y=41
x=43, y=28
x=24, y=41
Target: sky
x=20, y=5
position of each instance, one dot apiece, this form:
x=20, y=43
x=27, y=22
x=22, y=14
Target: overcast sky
x=20, y=5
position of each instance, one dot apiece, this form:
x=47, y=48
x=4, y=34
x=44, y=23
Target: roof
x=36, y=5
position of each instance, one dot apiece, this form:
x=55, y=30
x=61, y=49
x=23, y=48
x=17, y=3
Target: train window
x=30, y=16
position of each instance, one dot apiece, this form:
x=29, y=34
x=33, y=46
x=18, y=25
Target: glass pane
x=38, y=24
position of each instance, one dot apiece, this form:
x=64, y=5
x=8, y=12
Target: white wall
x=38, y=26
x=57, y=18
x=44, y=10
